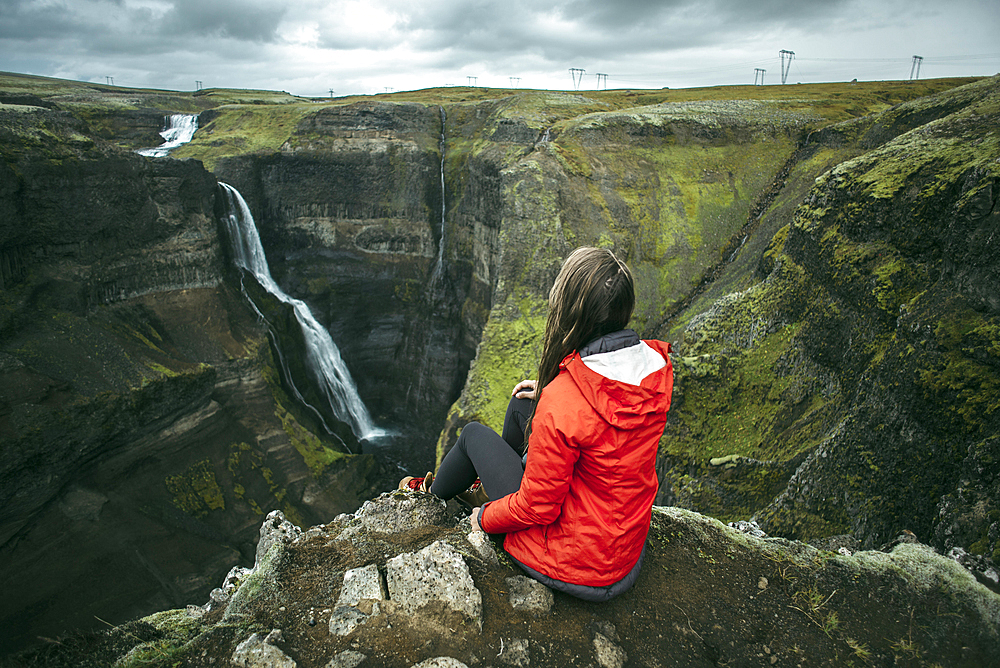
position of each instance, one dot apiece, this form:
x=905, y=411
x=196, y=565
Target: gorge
x=823, y=258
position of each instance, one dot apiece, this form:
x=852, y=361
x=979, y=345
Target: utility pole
x=785, y=66
x=758, y=74
x=515, y=82
x=599, y=78
x=472, y=81
x=577, y=75
x=915, y=67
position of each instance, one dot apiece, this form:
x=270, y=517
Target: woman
x=577, y=512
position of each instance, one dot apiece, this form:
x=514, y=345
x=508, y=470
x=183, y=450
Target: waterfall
x=322, y=356
x=436, y=275
x=433, y=294
x=177, y=129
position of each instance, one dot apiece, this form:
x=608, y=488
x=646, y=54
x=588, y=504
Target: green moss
x=246, y=465
x=898, y=282
x=409, y=291
x=196, y=491
x=685, y=202
x=963, y=387
x=572, y=158
x=508, y=354
x=162, y=370
x=316, y=455
x=980, y=546
x=240, y=129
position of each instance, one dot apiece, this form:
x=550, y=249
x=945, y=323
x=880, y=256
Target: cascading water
x=433, y=289
x=322, y=356
x=177, y=129
x=436, y=275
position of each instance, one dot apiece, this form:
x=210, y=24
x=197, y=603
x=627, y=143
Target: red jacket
x=583, y=509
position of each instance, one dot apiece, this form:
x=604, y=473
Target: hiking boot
x=417, y=484
x=473, y=497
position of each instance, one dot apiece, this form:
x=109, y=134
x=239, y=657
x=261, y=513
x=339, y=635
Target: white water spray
x=438, y=267
x=322, y=356
x=178, y=129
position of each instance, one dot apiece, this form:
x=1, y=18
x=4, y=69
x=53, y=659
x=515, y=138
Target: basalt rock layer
x=143, y=424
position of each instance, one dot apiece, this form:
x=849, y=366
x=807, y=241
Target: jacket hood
x=626, y=386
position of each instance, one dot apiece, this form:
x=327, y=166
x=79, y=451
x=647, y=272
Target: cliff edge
x=402, y=582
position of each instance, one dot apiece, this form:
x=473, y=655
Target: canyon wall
x=822, y=261
x=843, y=374
x=143, y=424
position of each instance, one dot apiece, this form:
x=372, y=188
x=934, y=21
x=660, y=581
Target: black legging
x=480, y=453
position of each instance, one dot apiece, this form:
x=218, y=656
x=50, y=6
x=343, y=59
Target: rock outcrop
x=707, y=595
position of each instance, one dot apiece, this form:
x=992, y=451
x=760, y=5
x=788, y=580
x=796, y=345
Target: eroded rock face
x=142, y=423
x=872, y=405
x=351, y=213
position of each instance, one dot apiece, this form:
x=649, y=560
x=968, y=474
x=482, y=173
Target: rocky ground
x=402, y=582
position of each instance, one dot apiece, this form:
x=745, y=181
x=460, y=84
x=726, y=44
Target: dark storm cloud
x=100, y=23
x=27, y=20
x=236, y=19
x=595, y=28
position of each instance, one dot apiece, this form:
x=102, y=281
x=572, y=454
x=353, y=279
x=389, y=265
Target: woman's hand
x=474, y=519
x=526, y=389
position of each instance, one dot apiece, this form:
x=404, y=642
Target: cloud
x=370, y=45
x=254, y=21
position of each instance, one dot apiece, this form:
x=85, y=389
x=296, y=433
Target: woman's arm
x=551, y=460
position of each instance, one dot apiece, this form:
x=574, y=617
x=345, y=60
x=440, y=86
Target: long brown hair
x=593, y=295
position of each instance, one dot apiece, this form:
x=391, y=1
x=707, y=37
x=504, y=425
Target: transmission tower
x=515, y=82
x=197, y=85
x=758, y=75
x=786, y=63
x=472, y=81
x=915, y=67
x=111, y=81
x=604, y=78
x=577, y=75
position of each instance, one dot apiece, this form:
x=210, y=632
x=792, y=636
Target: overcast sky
x=307, y=47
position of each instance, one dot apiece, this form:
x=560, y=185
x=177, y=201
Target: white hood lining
x=628, y=365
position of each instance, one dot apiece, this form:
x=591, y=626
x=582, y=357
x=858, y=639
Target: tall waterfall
x=322, y=356
x=438, y=266
x=177, y=129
